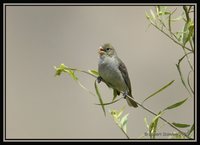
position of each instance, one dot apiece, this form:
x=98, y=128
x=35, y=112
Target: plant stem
x=125, y=133
x=86, y=72
x=184, y=134
x=170, y=37
x=187, y=21
x=140, y=106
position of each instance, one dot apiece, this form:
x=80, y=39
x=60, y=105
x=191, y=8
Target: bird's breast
x=109, y=71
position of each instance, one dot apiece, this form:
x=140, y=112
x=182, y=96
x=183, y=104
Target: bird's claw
x=125, y=95
x=99, y=79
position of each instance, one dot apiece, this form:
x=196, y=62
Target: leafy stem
x=94, y=74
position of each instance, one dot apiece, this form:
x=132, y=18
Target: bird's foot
x=125, y=95
x=99, y=79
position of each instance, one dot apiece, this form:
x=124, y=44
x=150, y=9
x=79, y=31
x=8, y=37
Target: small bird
x=114, y=73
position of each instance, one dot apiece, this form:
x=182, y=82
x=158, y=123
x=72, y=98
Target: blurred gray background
x=40, y=105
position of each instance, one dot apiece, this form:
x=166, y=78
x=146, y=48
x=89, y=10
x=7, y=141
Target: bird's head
x=107, y=50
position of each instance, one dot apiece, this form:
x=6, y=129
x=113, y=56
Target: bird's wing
x=125, y=76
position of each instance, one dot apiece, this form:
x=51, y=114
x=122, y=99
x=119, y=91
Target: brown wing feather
x=125, y=75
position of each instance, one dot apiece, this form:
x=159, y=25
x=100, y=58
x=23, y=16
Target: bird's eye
x=107, y=49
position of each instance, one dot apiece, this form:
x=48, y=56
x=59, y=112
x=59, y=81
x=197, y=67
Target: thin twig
x=170, y=37
x=86, y=72
x=160, y=118
x=140, y=106
x=187, y=21
x=125, y=133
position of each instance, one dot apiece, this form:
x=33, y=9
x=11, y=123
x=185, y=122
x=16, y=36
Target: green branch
x=148, y=110
x=65, y=69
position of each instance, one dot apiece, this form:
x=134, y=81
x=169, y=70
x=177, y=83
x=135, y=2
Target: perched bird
x=114, y=73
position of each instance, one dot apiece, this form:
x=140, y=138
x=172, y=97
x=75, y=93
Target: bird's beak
x=101, y=51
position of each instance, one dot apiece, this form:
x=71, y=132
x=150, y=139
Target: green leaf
x=99, y=96
x=161, y=89
x=72, y=74
x=123, y=122
x=191, y=129
x=120, y=111
x=116, y=114
x=60, y=69
x=153, y=125
x=157, y=10
x=93, y=72
x=167, y=13
x=152, y=14
x=109, y=103
x=62, y=66
x=175, y=105
x=180, y=125
x=181, y=75
x=188, y=32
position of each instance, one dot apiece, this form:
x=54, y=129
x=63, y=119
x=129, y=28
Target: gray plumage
x=114, y=72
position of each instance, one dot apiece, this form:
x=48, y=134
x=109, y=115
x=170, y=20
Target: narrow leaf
x=116, y=116
x=161, y=89
x=191, y=31
x=180, y=125
x=153, y=125
x=156, y=123
x=152, y=14
x=175, y=105
x=99, y=96
x=167, y=13
x=157, y=10
x=185, y=33
x=191, y=129
x=124, y=119
x=119, y=113
x=60, y=69
x=181, y=76
x=72, y=74
x=109, y=103
x=123, y=122
x=93, y=72
x=62, y=66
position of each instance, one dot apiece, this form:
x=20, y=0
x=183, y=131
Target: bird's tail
x=131, y=102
